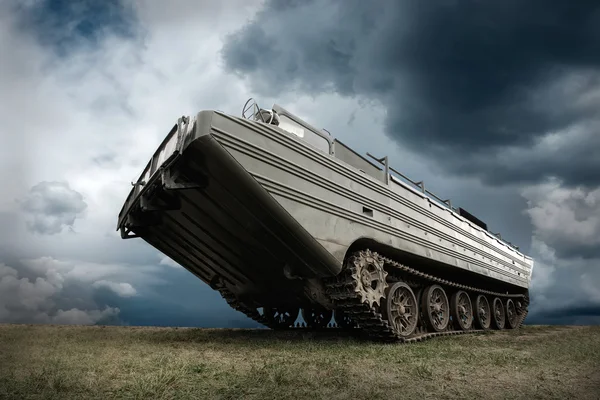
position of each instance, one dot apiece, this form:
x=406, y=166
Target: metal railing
x=420, y=185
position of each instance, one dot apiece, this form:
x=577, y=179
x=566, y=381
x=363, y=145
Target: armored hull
x=281, y=217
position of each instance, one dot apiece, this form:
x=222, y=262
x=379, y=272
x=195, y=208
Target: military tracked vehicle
x=288, y=224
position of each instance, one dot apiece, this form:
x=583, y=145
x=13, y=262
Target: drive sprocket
x=366, y=269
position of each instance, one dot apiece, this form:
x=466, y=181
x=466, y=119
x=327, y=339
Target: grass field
x=127, y=362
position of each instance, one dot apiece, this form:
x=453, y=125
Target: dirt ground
x=535, y=362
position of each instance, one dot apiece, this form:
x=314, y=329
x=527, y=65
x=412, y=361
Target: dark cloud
x=41, y=291
x=504, y=90
x=584, y=310
x=51, y=206
x=566, y=220
x=65, y=25
x=180, y=300
x=577, y=315
x=563, y=290
x=49, y=290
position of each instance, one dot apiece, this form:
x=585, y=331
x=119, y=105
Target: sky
x=493, y=104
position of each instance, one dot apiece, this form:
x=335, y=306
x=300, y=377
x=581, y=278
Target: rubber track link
x=342, y=291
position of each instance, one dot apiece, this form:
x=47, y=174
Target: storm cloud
x=122, y=289
x=566, y=220
x=506, y=91
x=46, y=290
x=564, y=290
x=65, y=26
x=52, y=206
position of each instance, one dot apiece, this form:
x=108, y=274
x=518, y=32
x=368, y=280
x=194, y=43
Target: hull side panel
x=338, y=204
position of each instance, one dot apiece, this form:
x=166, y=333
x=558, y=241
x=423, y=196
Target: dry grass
x=103, y=362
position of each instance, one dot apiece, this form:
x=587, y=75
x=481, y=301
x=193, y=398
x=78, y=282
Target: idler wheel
x=281, y=318
x=401, y=309
x=435, y=308
x=462, y=310
x=483, y=313
x=499, y=314
x=512, y=317
x=317, y=318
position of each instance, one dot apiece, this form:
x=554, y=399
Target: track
x=252, y=313
x=344, y=291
